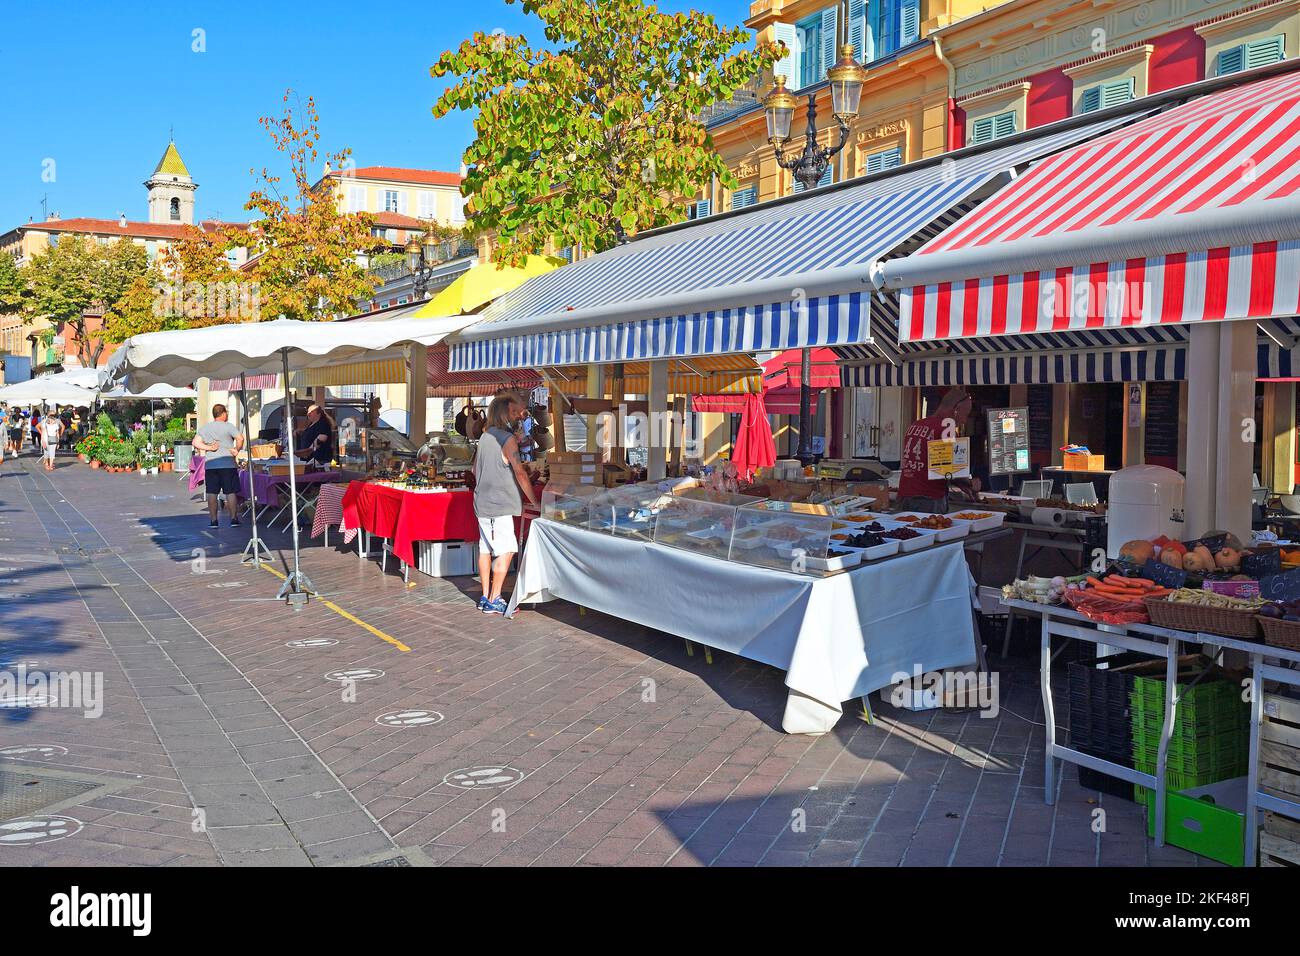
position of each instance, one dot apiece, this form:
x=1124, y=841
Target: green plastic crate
x=1200, y=826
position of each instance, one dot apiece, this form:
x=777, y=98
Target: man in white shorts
x=499, y=480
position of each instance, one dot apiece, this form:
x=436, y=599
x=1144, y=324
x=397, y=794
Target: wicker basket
x=1195, y=617
x=1281, y=633
x=268, y=450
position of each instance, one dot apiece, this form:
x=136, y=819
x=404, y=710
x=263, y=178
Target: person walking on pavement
x=499, y=478
x=51, y=430
x=219, y=440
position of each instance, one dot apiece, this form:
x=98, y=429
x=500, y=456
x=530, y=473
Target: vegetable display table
x=836, y=637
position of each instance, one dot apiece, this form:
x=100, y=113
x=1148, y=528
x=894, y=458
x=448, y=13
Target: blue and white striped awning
x=1151, y=354
x=792, y=273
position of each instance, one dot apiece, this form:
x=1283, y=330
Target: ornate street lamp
x=846, y=78
x=420, y=259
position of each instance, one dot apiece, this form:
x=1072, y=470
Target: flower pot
x=166, y=467
x=153, y=470
x=94, y=463
x=83, y=458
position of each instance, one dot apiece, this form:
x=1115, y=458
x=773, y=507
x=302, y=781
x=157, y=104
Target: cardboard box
x=573, y=457
x=616, y=475
x=1080, y=462
x=572, y=469
x=560, y=482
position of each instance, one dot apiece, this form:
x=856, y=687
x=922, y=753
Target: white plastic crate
x=446, y=559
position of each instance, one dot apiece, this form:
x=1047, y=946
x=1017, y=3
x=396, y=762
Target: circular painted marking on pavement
x=26, y=701
x=410, y=718
x=27, y=831
x=312, y=642
x=355, y=673
x=479, y=778
x=34, y=752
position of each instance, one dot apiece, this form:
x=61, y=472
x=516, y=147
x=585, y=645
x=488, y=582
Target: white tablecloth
x=837, y=637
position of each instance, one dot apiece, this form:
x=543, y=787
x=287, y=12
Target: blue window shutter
x=981, y=131
x=1232, y=60
x=702, y=208
x=885, y=159
x=828, y=176
x=743, y=198
x=1091, y=100
x=830, y=20
x=1269, y=50
x=859, y=35
x=788, y=65
x=909, y=28
x=1004, y=124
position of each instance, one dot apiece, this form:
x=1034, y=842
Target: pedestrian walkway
x=396, y=725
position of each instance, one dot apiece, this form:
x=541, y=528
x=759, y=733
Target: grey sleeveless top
x=496, y=493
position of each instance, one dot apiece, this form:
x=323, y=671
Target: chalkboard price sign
x=1263, y=562
x=1008, y=440
x=1164, y=574
x=1280, y=587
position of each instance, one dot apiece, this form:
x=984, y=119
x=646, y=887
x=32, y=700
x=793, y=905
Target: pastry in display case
x=569, y=504
x=701, y=522
x=627, y=510
x=771, y=534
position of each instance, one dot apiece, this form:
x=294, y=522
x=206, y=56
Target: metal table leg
x=1166, y=733
x=1049, y=712
x=1252, y=774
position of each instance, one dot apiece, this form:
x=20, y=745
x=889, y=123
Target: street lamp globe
x=413, y=255
x=846, y=78
x=779, y=106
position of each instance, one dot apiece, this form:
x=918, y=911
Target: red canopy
x=781, y=378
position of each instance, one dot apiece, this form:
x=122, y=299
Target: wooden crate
x=1279, y=748
x=1279, y=775
x=1279, y=843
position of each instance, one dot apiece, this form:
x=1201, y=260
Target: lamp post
x=809, y=165
x=420, y=259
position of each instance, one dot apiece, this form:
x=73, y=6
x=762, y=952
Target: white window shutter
x=428, y=209
x=401, y=201
x=909, y=28
x=1113, y=94
x=788, y=65
x=859, y=32
x=1269, y=50
x=830, y=20
x=1004, y=124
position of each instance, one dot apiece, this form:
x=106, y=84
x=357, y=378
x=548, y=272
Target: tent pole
x=296, y=587
x=254, y=549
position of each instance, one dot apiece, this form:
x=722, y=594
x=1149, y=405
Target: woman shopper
x=51, y=430
x=499, y=479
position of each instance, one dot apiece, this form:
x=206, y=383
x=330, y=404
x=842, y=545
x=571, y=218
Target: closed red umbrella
x=754, y=446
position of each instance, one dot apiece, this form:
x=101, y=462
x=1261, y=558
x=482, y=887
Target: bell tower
x=171, y=190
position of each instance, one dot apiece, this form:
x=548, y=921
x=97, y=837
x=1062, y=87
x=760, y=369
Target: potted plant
x=148, y=463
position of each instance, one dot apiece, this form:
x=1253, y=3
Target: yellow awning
x=482, y=283
x=380, y=372
x=706, y=375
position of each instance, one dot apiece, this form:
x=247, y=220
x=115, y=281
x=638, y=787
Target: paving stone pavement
x=557, y=738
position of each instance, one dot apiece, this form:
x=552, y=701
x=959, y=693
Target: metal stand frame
x=1165, y=642
x=256, y=552
x=297, y=587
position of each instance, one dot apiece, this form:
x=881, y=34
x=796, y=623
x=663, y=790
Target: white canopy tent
x=282, y=346
x=156, y=391
x=46, y=389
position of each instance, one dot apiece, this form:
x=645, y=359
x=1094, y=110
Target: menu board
x=1160, y=446
x=1008, y=440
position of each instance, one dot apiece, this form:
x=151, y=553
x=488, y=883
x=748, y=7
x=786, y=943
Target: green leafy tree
x=595, y=136
x=305, y=251
x=13, y=285
x=77, y=279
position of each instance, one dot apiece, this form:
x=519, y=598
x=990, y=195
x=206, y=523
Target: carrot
x=1094, y=582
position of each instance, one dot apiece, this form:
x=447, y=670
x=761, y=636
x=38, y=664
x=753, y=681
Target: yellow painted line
x=350, y=617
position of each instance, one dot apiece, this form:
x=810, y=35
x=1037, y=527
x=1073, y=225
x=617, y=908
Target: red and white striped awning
x=1190, y=215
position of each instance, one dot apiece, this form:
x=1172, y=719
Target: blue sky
x=96, y=86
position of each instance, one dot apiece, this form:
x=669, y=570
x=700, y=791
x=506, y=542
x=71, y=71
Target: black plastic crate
x=1091, y=779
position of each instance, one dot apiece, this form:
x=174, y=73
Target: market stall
x=405, y=516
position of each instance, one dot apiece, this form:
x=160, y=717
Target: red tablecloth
x=406, y=516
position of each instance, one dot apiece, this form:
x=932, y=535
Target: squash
x=1198, y=561
x=1228, y=559
x=1172, y=558
x=1177, y=547
x=1139, y=552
